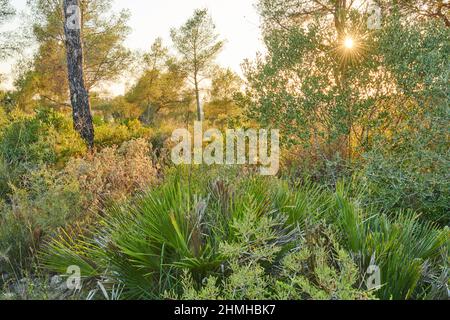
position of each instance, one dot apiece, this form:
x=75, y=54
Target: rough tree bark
x=79, y=96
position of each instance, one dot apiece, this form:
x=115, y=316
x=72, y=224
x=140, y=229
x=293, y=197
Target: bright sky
x=236, y=21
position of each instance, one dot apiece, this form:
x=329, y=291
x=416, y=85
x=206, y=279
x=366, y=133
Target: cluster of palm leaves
x=146, y=247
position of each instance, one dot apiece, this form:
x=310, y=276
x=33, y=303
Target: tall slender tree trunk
x=79, y=96
x=197, y=96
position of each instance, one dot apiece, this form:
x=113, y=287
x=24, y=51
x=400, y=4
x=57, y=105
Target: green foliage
x=110, y=134
x=44, y=202
x=23, y=142
x=415, y=179
x=421, y=11
x=315, y=269
x=161, y=86
x=308, y=85
x=221, y=109
x=7, y=43
x=254, y=238
x=377, y=111
x=105, y=57
x=326, y=272
x=200, y=30
x=47, y=137
x=408, y=168
x=31, y=141
x=111, y=110
x=382, y=105
x=154, y=235
x=198, y=45
x=406, y=249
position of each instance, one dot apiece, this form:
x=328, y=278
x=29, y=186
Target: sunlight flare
x=349, y=43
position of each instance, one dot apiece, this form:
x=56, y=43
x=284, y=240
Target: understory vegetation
x=359, y=210
x=253, y=238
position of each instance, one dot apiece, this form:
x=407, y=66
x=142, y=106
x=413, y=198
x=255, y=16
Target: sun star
x=349, y=43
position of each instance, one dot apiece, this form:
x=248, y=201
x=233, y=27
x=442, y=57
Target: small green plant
x=405, y=248
x=145, y=243
x=315, y=268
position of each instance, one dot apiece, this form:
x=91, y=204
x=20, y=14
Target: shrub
x=248, y=236
x=322, y=164
x=316, y=268
x=25, y=142
x=46, y=201
x=407, y=250
x=7, y=175
x=47, y=137
x=114, y=173
x=107, y=135
x=31, y=141
x=414, y=179
x=408, y=166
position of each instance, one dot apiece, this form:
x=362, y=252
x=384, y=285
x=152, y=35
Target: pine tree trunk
x=79, y=96
x=197, y=97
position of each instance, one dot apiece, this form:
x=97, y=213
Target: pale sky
x=236, y=21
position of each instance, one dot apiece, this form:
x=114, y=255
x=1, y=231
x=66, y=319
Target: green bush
x=244, y=234
x=31, y=141
x=408, y=166
x=107, y=135
x=410, y=178
x=46, y=201
x=147, y=238
x=47, y=137
x=407, y=250
x=315, y=268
